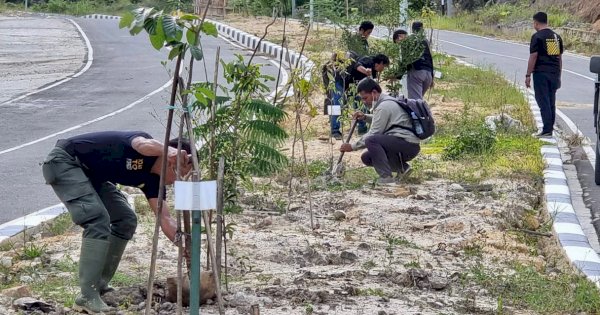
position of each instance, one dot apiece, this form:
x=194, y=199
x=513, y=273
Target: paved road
x=124, y=70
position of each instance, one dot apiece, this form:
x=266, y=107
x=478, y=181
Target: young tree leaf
x=196, y=52
x=189, y=17
x=158, y=37
x=174, y=51
x=171, y=28
x=126, y=20
x=150, y=25
x=191, y=37
x=209, y=29
x=136, y=30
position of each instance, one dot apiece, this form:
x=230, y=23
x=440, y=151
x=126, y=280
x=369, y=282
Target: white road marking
x=89, y=121
x=90, y=59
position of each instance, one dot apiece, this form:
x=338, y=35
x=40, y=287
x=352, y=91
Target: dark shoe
x=337, y=136
x=543, y=135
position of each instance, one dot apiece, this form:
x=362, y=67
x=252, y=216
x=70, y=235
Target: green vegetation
x=464, y=149
x=545, y=293
x=512, y=21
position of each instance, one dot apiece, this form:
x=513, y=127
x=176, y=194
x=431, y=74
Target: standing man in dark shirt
x=545, y=63
x=83, y=171
x=420, y=73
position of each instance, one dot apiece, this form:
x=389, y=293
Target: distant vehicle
x=595, y=68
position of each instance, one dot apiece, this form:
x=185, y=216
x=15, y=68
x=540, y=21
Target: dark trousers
x=338, y=99
x=545, y=86
x=389, y=154
x=100, y=210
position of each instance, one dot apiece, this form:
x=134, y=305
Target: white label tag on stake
x=195, y=195
x=437, y=74
x=334, y=110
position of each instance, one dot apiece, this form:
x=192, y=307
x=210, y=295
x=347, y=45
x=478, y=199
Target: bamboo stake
x=161, y=189
x=180, y=241
x=220, y=217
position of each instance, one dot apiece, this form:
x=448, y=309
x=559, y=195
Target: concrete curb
x=566, y=225
x=275, y=51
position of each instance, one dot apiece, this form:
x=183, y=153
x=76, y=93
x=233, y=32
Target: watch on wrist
x=528, y=75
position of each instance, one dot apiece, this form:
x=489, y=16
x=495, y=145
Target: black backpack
x=422, y=119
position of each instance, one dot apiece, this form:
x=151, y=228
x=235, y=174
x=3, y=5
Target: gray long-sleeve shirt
x=387, y=113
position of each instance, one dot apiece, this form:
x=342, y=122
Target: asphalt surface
x=124, y=70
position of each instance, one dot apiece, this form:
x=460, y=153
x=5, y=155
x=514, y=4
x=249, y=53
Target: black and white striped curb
x=566, y=225
x=19, y=225
x=101, y=17
x=290, y=58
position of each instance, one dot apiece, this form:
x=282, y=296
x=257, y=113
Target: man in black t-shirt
x=545, y=63
x=368, y=66
x=83, y=171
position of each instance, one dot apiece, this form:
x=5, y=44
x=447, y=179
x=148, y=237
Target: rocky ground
x=35, y=51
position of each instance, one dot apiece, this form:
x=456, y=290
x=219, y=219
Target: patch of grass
x=523, y=286
x=31, y=251
x=354, y=179
x=60, y=224
x=141, y=205
x=473, y=250
x=60, y=289
x=125, y=280
x=511, y=153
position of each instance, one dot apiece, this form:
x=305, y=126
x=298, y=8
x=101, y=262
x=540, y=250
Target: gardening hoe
x=338, y=169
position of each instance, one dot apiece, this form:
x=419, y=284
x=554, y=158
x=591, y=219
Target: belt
x=66, y=145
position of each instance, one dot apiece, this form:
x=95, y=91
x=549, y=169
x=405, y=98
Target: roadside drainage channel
x=12, y=231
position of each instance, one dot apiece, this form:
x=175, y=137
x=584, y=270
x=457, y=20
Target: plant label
x=334, y=110
x=196, y=195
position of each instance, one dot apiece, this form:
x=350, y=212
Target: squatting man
x=83, y=171
x=389, y=142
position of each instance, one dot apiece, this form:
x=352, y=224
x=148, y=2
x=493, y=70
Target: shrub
x=472, y=139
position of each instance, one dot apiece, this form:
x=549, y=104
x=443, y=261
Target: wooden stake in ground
x=161, y=189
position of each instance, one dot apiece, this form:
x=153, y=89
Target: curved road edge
x=89, y=59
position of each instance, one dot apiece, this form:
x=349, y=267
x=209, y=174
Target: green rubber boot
x=113, y=258
x=91, y=263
